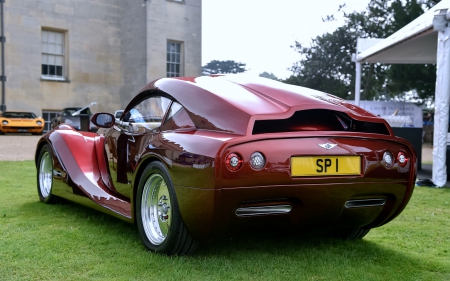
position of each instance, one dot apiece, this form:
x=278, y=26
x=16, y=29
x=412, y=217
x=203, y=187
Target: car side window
x=148, y=112
x=177, y=118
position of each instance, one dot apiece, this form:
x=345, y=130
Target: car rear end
x=327, y=172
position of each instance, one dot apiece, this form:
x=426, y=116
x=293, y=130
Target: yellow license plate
x=325, y=165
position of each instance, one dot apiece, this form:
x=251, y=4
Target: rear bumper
x=272, y=199
x=304, y=208
x=313, y=208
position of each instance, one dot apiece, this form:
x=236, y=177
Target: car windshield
x=28, y=115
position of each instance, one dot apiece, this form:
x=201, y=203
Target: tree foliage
x=327, y=65
x=223, y=67
x=270, y=75
x=404, y=78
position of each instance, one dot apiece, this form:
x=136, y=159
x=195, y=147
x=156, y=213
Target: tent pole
x=442, y=101
x=358, y=83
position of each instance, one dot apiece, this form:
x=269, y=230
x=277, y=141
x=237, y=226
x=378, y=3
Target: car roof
x=228, y=102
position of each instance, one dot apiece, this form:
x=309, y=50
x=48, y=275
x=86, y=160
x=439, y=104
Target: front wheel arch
x=44, y=175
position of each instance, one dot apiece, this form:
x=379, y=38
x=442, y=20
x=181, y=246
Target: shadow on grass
x=258, y=243
x=116, y=243
x=318, y=254
x=68, y=209
x=275, y=245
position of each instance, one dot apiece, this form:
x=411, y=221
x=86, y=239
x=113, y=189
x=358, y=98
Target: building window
x=173, y=59
x=48, y=115
x=53, y=53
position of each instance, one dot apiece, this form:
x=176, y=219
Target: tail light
x=388, y=159
x=402, y=159
x=234, y=161
x=257, y=161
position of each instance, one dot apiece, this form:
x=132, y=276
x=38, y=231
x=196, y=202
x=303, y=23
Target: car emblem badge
x=327, y=146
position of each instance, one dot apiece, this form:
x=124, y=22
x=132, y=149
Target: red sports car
x=198, y=158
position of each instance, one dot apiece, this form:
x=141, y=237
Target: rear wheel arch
x=157, y=214
x=137, y=176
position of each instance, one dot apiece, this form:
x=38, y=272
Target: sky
x=259, y=33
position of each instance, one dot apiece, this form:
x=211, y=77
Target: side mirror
x=103, y=120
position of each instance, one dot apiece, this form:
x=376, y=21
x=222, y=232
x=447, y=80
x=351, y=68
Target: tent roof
x=416, y=43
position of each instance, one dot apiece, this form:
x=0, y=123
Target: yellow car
x=21, y=122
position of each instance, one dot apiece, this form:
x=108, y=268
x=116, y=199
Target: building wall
x=93, y=48
x=177, y=21
x=134, y=49
x=114, y=48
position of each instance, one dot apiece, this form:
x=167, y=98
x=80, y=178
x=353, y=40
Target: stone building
x=69, y=53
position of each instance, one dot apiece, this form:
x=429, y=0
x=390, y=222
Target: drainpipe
x=2, y=77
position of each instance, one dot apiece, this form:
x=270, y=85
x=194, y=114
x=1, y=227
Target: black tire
x=45, y=176
x=37, y=134
x=350, y=234
x=156, y=197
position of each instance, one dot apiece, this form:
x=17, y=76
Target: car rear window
x=318, y=120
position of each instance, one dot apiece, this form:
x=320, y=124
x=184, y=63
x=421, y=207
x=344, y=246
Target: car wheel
x=350, y=234
x=158, y=217
x=45, y=176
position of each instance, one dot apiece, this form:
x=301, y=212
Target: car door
x=125, y=145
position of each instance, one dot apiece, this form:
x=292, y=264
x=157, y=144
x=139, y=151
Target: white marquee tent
x=424, y=40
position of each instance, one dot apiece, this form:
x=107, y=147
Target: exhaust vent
x=263, y=210
x=365, y=203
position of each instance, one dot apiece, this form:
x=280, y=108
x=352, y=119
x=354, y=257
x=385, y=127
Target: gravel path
x=16, y=147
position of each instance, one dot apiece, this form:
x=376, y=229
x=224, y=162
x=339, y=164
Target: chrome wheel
x=45, y=175
x=158, y=216
x=156, y=209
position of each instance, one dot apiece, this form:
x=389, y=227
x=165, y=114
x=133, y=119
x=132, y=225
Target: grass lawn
x=72, y=242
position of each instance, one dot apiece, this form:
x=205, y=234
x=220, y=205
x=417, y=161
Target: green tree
x=223, y=67
x=327, y=65
x=420, y=78
x=268, y=75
